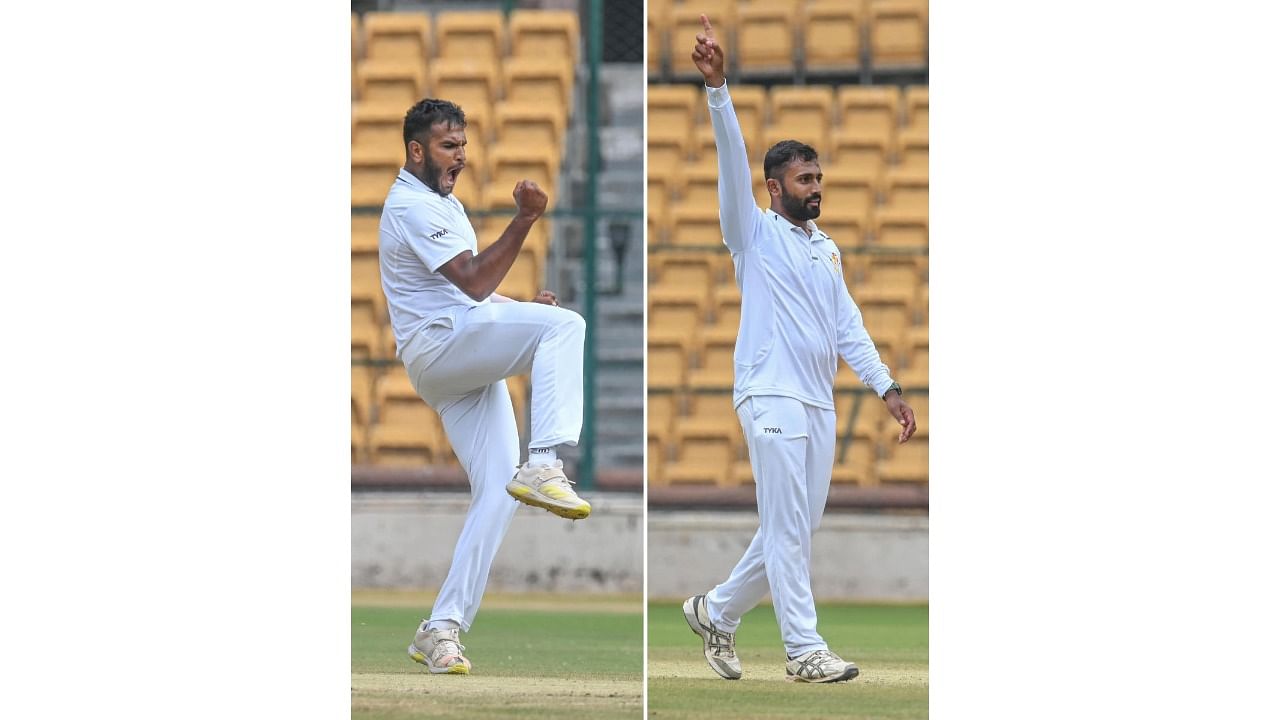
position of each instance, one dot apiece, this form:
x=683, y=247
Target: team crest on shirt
x=835, y=259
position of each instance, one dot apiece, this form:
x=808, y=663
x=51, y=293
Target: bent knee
x=572, y=321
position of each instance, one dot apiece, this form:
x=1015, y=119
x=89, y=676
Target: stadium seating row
x=485, y=35
x=486, y=184
x=891, y=121
x=391, y=425
x=771, y=36
x=695, y=438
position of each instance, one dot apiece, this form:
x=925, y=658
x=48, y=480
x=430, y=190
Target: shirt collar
x=413, y=181
x=813, y=237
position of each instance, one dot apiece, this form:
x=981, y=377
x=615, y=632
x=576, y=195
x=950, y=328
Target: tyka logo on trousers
x=772, y=431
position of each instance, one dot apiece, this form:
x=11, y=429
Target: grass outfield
x=890, y=645
x=536, y=656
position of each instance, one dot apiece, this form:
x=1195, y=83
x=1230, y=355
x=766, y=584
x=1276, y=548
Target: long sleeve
x=857, y=348
x=738, y=212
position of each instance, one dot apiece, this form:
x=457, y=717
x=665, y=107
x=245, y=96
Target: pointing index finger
x=706, y=25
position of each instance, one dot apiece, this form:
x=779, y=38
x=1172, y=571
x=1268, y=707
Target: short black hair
x=781, y=155
x=429, y=112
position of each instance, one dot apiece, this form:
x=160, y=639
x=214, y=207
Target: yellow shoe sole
x=532, y=499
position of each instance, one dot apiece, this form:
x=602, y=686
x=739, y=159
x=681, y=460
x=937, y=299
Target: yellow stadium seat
x=368, y=306
x=848, y=187
x=696, y=226
x=533, y=124
x=387, y=81
x=898, y=34
x=864, y=151
x=407, y=432
x=399, y=37
x=727, y=304
x=699, y=185
x=544, y=33
x=685, y=25
x=673, y=107
x=465, y=81
x=913, y=149
x=705, y=451
x=675, y=318
x=655, y=36
x=766, y=39
x=886, y=319
x=524, y=279
x=812, y=136
x=667, y=364
x=907, y=463
x=668, y=150
x=659, y=199
x=655, y=460
x=378, y=130
x=371, y=177
x=364, y=232
x=917, y=103
x=687, y=270
x=793, y=109
x=832, y=36
x=366, y=339
x=479, y=34
x=915, y=374
x=716, y=367
x=847, y=226
x=355, y=43
x=870, y=111
x=509, y=164
x=546, y=81
x=662, y=410
x=361, y=409
x=891, y=275
x=907, y=188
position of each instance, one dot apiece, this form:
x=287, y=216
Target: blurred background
x=850, y=78
x=552, y=91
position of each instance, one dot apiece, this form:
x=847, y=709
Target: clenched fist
x=531, y=201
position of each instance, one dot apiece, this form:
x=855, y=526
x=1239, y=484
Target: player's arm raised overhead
x=738, y=211
x=479, y=275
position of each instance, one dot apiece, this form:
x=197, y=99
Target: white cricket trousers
x=792, y=448
x=459, y=366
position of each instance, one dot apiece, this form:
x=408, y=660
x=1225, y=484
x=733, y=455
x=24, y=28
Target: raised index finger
x=706, y=25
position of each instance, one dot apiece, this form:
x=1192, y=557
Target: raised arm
x=479, y=275
x=738, y=212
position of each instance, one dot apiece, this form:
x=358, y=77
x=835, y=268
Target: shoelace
x=447, y=647
x=721, y=640
x=813, y=665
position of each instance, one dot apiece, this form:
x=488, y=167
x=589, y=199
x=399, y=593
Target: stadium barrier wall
x=857, y=557
x=405, y=540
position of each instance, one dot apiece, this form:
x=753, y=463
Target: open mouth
x=453, y=172
x=814, y=202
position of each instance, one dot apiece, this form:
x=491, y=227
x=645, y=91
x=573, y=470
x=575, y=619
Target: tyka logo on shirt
x=772, y=431
x=440, y=234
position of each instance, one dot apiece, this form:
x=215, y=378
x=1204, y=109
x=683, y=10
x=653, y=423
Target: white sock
x=443, y=625
x=542, y=456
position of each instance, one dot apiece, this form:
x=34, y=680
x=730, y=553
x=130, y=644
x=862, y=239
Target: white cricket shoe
x=546, y=487
x=717, y=645
x=820, y=666
x=439, y=650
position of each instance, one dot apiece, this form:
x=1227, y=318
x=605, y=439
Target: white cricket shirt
x=797, y=313
x=420, y=231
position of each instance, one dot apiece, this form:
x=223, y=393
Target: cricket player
x=797, y=316
x=459, y=340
